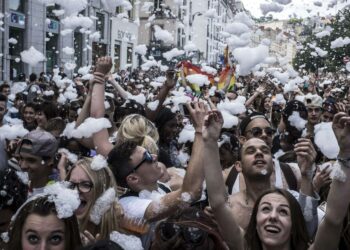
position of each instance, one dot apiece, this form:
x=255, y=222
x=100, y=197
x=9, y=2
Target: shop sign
x=17, y=19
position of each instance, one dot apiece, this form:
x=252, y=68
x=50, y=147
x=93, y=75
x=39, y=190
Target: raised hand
x=341, y=128
x=212, y=126
x=321, y=178
x=171, y=79
x=198, y=110
x=306, y=155
x=261, y=89
x=103, y=65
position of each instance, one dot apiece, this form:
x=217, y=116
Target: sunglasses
x=147, y=157
x=257, y=132
x=83, y=187
x=190, y=234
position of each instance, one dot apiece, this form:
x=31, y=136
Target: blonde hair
x=139, y=129
x=102, y=180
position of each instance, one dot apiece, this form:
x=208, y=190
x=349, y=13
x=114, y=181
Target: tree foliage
x=333, y=61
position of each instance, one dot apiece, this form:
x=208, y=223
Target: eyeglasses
x=190, y=234
x=257, y=132
x=147, y=157
x=83, y=186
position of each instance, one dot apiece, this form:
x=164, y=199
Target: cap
x=329, y=107
x=245, y=122
x=294, y=105
x=313, y=100
x=43, y=143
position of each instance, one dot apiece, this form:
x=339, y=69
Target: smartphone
x=183, y=109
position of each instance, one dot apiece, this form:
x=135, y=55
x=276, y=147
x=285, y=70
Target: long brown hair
x=43, y=207
x=299, y=235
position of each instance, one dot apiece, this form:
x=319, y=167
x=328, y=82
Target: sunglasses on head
x=190, y=234
x=257, y=132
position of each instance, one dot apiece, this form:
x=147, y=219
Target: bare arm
x=170, y=82
x=338, y=199
x=193, y=180
x=122, y=92
x=306, y=155
x=231, y=232
x=251, y=99
x=100, y=139
x=85, y=113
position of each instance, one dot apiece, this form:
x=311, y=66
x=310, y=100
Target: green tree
x=333, y=61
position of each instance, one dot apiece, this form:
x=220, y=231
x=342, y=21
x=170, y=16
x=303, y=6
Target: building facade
x=204, y=21
x=32, y=23
x=282, y=36
x=124, y=37
x=165, y=14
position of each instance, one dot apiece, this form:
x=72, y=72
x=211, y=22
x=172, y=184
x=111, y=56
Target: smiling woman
x=271, y=222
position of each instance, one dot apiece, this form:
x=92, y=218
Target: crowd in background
x=142, y=159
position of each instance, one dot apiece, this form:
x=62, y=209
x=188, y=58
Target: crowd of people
x=143, y=160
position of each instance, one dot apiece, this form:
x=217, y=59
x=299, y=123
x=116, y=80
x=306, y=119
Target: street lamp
x=198, y=13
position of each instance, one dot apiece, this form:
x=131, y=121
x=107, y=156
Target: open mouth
x=259, y=162
x=81, y=207
x=272, y=229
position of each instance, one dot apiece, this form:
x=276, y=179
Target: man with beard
x=256, y=165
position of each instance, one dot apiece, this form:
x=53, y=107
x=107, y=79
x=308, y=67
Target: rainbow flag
x=190, y=69
x=225, y=73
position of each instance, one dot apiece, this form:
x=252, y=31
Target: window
x=18, y=34
x=116, y=55
x=98, y=50
x=178, y=37
x=131, y=12
x=51, y=55
x=15, y=69
x=100, y=24
x=49, y=12
x=129, y=54
x=17, y=5
x=78, y=49
x=158, y=5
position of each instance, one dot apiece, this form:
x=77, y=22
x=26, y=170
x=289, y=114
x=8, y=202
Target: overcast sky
x=299, y=8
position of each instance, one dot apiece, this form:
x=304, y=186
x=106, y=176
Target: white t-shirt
x=135, y=206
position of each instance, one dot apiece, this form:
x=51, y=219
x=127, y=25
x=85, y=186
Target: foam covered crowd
x=169, y=159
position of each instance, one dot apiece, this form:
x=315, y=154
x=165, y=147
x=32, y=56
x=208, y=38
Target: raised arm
x=194, y=177
x=251, y=99
x=170, y=82
x=306, y=155
x=218, y=196
x=122, y=92
x=100, y=139
x=338, y=199
x=85, y=113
